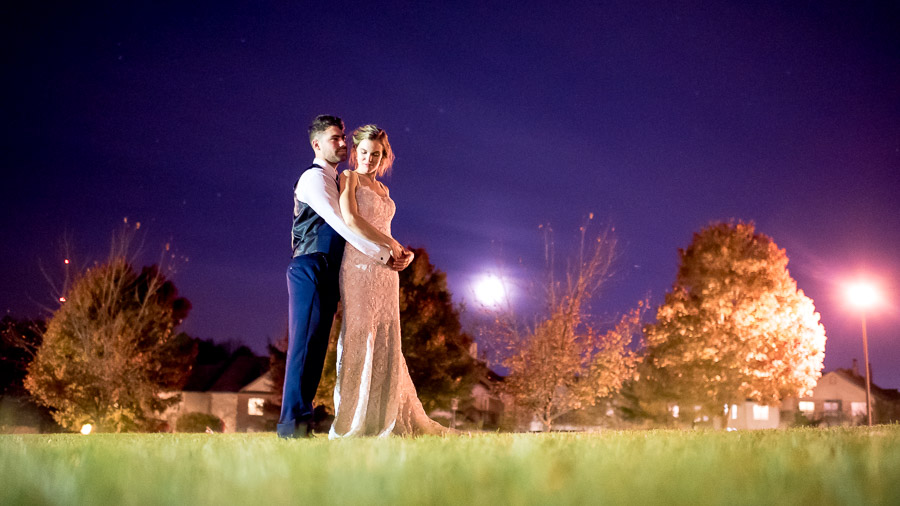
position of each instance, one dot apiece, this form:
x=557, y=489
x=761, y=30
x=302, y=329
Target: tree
x=564, y=362
x=19, y=340
x=734, y=327
x=437, y=351
x=111, y=348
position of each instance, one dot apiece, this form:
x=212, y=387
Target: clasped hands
x=400, y=257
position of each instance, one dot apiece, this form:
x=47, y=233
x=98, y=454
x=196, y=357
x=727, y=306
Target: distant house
x=749, y=415
x=487, y=405
x=839, y=398
x=235, y=390
x=483, y=408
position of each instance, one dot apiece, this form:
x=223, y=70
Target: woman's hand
x=397, y=250
x=400, y=259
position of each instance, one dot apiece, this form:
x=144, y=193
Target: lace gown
x=374, y=395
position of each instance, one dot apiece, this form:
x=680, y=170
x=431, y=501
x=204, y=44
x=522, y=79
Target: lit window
x=255, y=406
x=734, y=411
x=760, y=412
x=806, y=406
x=857, y=409
x=831, y=406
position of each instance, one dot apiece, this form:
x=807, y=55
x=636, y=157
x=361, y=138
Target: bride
x=374, y=395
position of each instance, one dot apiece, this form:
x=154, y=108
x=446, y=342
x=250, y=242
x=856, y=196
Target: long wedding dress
x=373, y=395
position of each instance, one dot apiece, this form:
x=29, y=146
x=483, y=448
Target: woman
x=374, y=395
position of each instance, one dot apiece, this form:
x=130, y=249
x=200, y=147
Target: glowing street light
x=863, y=296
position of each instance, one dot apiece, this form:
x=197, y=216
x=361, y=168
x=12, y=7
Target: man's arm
x=321, y=193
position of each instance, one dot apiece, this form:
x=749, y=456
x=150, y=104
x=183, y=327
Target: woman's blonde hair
x=373, y=133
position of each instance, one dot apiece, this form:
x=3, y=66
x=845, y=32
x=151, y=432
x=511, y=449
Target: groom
x=318, y=236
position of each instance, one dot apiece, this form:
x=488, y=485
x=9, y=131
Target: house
x=486, y=406
x=749, y=415
x=237, y=391
x=839, y=398
x=483, y=408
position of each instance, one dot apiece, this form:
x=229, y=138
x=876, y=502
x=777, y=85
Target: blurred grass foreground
x=797, y=466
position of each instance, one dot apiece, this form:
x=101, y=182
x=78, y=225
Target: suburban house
x=236, y=391
x=746, y=415
x=749, y=415
x=839, y=398
x=482, y=410
x=239, y=391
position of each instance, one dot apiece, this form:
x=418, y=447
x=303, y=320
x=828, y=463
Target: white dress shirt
x=318, y=188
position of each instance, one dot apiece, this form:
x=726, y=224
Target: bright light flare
x=490, y=291
x=86, y=429
x=863, y=295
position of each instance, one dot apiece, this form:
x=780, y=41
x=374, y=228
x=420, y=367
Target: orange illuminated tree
x=734, y=327
x=111, y=348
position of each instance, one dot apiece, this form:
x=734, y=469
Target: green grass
x=804, y=466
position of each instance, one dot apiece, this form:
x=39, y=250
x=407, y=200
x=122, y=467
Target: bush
x=198, y=422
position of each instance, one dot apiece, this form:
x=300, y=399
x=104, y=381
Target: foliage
x=436, y=349
x=564, y=362
x=19, y=341
x=277, y=364
x=199, y=422
x=797, y=466
x=324, y=401
x=111, y=348
x=734, y=327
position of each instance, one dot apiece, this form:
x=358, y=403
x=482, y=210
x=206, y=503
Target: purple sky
x=192, y=120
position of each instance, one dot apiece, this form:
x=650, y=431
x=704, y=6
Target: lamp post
x=863, y=295
x=868, y=373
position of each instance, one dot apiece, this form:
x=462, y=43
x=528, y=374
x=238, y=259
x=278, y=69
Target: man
x=318, y=236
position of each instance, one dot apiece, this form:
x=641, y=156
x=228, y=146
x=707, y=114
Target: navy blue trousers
x=312, y=282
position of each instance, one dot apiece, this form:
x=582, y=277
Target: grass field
x=803, y=466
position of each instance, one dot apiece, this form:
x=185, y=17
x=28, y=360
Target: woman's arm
x=350, y=212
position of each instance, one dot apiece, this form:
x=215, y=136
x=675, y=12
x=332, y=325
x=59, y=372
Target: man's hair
x=322, y=123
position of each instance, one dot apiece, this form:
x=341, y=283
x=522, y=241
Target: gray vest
x=310, y=233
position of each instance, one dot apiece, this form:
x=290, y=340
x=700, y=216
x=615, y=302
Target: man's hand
x=398, y=264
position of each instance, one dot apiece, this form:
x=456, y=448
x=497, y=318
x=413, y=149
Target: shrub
x=198, y=422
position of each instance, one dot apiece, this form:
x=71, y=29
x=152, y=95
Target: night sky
x=657, y=117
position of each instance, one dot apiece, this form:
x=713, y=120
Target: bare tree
x=563, y=362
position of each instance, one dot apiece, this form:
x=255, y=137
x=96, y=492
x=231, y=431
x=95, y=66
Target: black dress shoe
x=301, y=430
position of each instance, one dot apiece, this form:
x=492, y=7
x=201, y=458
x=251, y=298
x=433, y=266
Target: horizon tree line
x=734, y=327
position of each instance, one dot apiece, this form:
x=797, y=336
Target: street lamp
x=863, y=295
